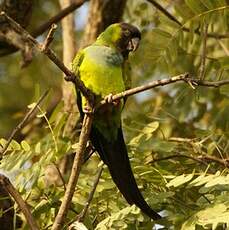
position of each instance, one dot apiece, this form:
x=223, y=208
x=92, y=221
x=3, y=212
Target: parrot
x=103, y=68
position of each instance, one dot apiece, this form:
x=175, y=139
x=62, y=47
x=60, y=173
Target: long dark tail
x=115, y=156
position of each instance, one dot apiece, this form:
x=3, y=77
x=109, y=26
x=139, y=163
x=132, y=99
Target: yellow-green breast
x=101, y=70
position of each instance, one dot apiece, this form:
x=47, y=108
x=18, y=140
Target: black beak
x=133, y=44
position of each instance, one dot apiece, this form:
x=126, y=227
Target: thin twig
x=153, y=84
x=76, y=167
x=204, y=50
x=59, y=16
x=208, y=158
x=81, y=216
x=49, y=37
x=21, y=124
x=173, y=18
x=6, y=184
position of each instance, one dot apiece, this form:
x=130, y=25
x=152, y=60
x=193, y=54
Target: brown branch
x=208, y=158
x=21, y=124
x=33, y=43
x=204, y=50
x=81, y=216
x=84, y=136
x=153, y=84
x=6, y=184
x=59, y=16
x=173, y=18
x=182, y=77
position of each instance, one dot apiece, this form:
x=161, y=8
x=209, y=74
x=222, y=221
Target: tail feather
x=114, y=155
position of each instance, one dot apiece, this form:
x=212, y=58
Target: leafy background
x=167, y=129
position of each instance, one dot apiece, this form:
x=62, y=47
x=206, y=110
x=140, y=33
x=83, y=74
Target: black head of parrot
x=122, y=36
x=129, y=39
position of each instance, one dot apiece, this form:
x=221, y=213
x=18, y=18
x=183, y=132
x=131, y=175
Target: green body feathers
x=101, y=71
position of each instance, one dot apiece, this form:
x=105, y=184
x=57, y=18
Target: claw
x=109, y=98
x=87, y=110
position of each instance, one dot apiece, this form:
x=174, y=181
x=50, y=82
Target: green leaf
x=203, y=179
x=196, y=6
x=38, y=147
x=208, y=3
x=118, y=219
x=105, y=185
x=15, y=145
x=145, y=134
x=3, y=142
x=25, y=145
x=220, y=180
x=143, y=6
x=78, y=226
x=56, y=112
x=168, y=22
x=211, y=217
x=60, y=124
x=150, y=128
x=161, y=38
x=180, y=180
x=158, y=145
x=224, y=90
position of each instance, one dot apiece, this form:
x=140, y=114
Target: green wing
x=75, y=68
x=77, y=62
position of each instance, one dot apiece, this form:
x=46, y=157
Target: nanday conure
x=101, y=66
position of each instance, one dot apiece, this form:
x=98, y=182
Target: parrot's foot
x=109, y=99
x=88, y=110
